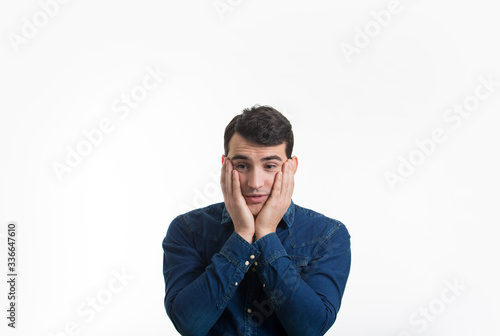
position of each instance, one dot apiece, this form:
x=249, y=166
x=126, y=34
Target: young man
x=257, y=263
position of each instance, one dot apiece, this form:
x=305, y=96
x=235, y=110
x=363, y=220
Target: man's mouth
x=257, y=198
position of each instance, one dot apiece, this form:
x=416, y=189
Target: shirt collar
x=288, y=217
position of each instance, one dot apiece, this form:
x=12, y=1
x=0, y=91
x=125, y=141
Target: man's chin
x=255, y=208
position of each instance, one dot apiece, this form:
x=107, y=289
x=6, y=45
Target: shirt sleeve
x=197, y=294
x=306, y=303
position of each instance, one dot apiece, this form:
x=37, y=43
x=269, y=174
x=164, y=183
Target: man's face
x=257, y=167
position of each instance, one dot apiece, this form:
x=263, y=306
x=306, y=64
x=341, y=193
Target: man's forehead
x=241, y=148
x=263, y=158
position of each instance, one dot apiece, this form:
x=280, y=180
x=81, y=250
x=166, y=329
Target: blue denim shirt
x=286, y=283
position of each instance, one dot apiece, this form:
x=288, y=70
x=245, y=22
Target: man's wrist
x=247, y=236
x=260, y=234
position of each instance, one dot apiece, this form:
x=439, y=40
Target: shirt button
x=236, y=284
x=249, y=311
x=252, y=257
x=256, y=263
x=247, y=263
x=263, y=285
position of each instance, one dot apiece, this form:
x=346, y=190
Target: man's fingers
x=287, y=186
x=223, y=175
x=278, y=182
x=229, y=178
x=226, y=182
x=291, y=178
x=236, y=184
x=286, y=179
x=291, y=168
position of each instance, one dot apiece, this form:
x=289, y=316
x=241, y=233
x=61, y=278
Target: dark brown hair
x=263, y=126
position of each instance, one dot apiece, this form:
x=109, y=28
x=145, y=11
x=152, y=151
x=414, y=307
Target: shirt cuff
x=239, y=252
x=270, y=248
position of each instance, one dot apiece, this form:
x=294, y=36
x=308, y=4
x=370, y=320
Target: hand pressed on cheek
x=278, y=203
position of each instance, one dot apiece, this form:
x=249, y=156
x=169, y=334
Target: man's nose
x=256, y=179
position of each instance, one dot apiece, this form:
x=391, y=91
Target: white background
x=353, y=122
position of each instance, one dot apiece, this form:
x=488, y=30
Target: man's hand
x=277, y=204
x=244, y=223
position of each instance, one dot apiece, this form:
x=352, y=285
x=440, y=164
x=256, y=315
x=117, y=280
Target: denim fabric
x=286, y=283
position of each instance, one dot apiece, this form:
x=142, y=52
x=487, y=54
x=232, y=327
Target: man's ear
x=223, y=156
x=295, y=164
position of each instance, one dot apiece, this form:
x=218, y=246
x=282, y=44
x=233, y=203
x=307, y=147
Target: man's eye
x=270, y=166
x=240, y=166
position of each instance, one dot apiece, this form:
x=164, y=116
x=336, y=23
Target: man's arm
x=306, y=303
x=196, y=296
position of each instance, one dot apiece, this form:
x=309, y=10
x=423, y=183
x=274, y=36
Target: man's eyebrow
x=272, y=157
x=267, y=158
x=240, y=157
